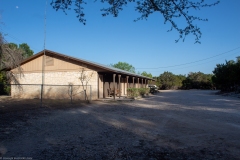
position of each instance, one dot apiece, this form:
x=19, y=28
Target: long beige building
x=63, y=76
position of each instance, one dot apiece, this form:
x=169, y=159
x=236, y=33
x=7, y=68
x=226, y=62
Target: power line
x=13, y=37
x=193, y=65
x=193, y=61
x=19, y=40
x=202, y=63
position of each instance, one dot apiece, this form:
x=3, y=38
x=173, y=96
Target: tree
x=144, y=73
x=13, y=45
x=27, y=52
x=194, y=80
x=198, y=80
x=179, y=80
x=124, y=66
x=24, y=47
x=171, y=10
x=167, y=80
x=10, y=58
x=85, y=77
x=226, y=76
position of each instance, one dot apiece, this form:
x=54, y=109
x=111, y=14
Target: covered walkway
x=115, y=85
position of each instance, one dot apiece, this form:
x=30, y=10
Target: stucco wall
x=56, y=92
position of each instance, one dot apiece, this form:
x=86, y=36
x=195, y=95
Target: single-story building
x=64, y=76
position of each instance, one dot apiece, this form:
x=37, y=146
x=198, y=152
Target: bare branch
x=10, y=58
x=84, y=78
x=169, y=9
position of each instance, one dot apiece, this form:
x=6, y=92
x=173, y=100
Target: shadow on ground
x=171, y=125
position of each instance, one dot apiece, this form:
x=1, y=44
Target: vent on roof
x=49, y=61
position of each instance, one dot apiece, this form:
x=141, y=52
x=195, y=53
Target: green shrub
x=132, y=92
x=4, y=88
x=147, y=90
x=135, y=92
x=7, y=89
x=141, y=91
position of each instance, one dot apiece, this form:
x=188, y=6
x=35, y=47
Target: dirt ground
x=168, y=125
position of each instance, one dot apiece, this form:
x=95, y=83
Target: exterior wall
x=56, y=86
x=57, y=79
x=35, y=65
x=59, y=73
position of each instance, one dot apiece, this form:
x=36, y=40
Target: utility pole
x=44, y=53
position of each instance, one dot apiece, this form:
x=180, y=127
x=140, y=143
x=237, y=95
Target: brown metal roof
x=94, y=64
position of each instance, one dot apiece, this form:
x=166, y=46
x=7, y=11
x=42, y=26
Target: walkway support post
x=127, y=84
x=137, y=83
x=133, y=82
x=114, y=96
x=119, y=85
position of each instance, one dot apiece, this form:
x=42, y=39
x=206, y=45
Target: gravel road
x=169, y=125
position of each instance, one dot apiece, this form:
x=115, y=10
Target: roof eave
x=80, y=60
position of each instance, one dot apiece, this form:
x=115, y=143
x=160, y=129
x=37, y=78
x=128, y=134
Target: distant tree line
x=194, y=80
x=227, y=76
x=128, y=67
x=168, y=80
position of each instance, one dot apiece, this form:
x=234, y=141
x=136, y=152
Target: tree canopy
x=198, y=80
x=11, y=57
x=194, y=80
x=24, y=48
x=171, y=10
x=144, y=73
x=167, y=80
x=227, y=76
x=12, y=45
x=27, y=52
x=124, y=66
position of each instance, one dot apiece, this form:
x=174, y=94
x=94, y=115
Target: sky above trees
x=144, y=44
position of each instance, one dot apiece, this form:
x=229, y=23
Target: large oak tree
x=171, y=10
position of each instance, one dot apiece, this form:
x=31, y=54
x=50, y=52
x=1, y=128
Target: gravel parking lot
x=177, y=124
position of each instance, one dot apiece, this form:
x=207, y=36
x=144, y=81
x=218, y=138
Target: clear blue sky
x=107, y=40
